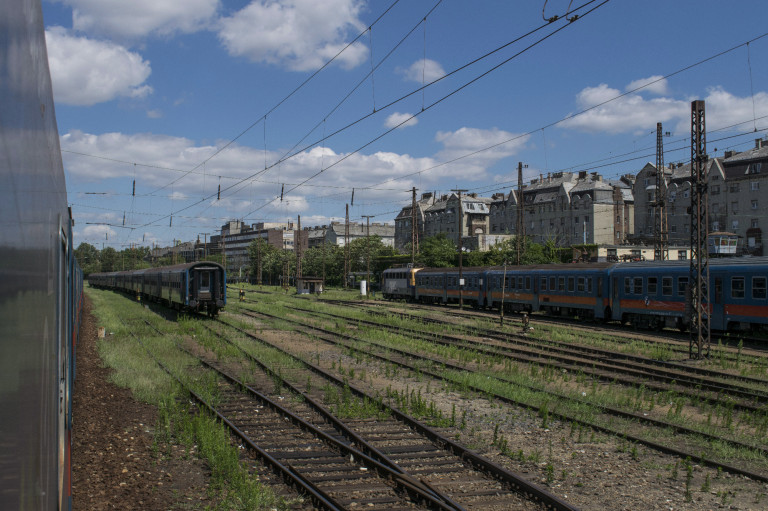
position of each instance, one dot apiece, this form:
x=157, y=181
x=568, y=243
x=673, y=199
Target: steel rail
x=521, y=484
x=659, y=447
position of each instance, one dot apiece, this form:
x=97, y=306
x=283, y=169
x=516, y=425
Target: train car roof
x=527, y=267
x=175, y=267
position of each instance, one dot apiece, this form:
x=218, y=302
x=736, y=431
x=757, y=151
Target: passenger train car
x=645, y=294
x=198, y=287
x=40, y=281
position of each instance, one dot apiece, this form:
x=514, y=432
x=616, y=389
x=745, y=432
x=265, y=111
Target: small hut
x=309, y=285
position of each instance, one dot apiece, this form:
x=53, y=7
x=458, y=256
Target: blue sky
x=185, y=96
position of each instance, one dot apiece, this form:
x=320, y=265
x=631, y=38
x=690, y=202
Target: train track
x=438, y=370
x=333, y=464
x=604, y=365
x=403, y=443
x=677, y=342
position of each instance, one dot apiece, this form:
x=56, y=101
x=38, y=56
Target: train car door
x=717, y=317
x=204, y=284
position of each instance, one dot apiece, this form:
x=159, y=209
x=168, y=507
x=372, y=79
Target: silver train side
x=644, y=294
x=197, y=287
x=40, y=282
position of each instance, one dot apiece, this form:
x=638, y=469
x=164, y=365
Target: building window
x=682, y=255
x=734, y=207
x=716, y=190
x=754, y=204
x=734, y=225
x=753, y=223
x=733, y=188
x=576, y=220
x=673, y=229
x=715, y=226
x=754, y=185
x=737, y=287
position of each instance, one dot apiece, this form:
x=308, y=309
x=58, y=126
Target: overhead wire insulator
x=352, y=203
x=123, y=218
x=134, y=188
x=218, y=194
x=282, y=190
x=170, y=223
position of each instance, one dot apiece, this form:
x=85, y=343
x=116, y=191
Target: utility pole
x=324, y=232
x=367, y=253
x=520, y=238
x=297, y=248
x=660, y=243
x=461, y=258
x=414, y=228
x=258, y=258
x=698, y=286
x=346, y=249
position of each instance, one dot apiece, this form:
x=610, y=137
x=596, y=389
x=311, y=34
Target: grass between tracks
x=233, y=484
x=579, y=396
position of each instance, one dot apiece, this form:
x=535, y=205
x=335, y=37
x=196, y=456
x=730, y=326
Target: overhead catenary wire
x=754, y=118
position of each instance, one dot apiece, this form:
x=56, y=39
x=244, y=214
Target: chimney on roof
x=583, y=174
x=727, y=154
x=549, y=177
x=758, y=143
x=425, y=196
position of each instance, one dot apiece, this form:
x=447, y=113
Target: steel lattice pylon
x=660, y=234
x=699, y=275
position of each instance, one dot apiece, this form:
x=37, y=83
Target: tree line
x=328, y=260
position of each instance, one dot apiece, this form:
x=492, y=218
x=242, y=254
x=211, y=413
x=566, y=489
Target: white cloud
x=138, y=18
x=423, y=70
x=98, y=232
x=252, y=200
x=725, y=109
x=633, y=113
x=465, y=141
x=154, y=114
x=85, y=72
x=626, y=114
x=300, y=35
x=656, y=84
x=397, y=119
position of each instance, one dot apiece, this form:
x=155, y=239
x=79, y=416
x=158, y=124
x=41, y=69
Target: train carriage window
x=552, y=283
x=589, y=285
x=627, y=286
x=528, y=283
x=759, y=288
x=737, y=287
x=543, y=283
x=561, y=283
x=652, y=285
x=638, y=285
x=519, y=282
x=570, y=284
x=682, y=286
x=580, y=285
x=666, y=286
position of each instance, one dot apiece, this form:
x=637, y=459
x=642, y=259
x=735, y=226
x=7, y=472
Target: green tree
x=259, y=248
x=88, y=258
x=437, y=252
x=361, y=249
x=312, y=263
x=108, y=258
